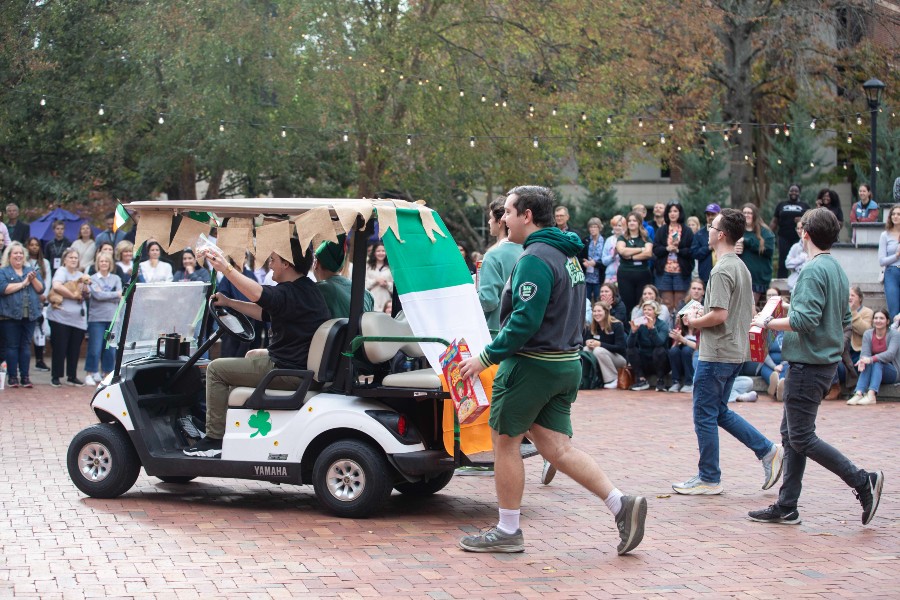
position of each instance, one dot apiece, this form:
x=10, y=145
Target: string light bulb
x=534, y=142
x=284, y=132
x=877, y=169
x=849, y=137
x=401, y=76
x=671, y=125
x=346, y=136
x=662, y=138
x=421, y=82
x=845, y=166
x=779, y=161
x=858, y=119
x=503, y=104
x=583, y=116
x=678, y=148
x=553, y=112
x=530, y=107
x=787, y=130
x=483, y=98
x=461, y=92
x=43, y=101
x=812, y=165
x=777, y=130
x=472, y=141
x=160, y=120
x=408, y=140
x=101, y=112
x=740, y=130
x=599, y=141
x=640, y=121
x=609, y=120
x=643, y=142
x=440, y=87
x=812, y=124
x=703, y=126
x=725, y=135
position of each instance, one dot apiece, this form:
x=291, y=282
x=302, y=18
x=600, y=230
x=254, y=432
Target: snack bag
x=468, y=396
x=760, y=339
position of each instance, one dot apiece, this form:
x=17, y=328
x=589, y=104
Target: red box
x=468, y=395
x=760, y=339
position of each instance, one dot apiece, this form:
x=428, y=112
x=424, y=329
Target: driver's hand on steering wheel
x=220, y=299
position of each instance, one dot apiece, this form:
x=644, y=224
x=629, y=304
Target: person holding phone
x=674, y=261
x=647, y=347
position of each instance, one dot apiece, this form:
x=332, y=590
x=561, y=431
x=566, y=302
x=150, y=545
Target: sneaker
x=55, y=382
x=89, y=380
x=477, y=471
x=12, y=382
x=867, y=400
x=494, y=540
x=630, y=522
x=611, y=385
x=687, y=389
x=74, y=381
x=697, y=487
x=750, y=396
x=660, y=386
x=776, y=514
x=772, y=464
x=26, y=383
x=869, y=495
x=855, y=398
x=548, y=473
x=640, y=385
x=676, y=387
x=207, y=447
x=41, y=366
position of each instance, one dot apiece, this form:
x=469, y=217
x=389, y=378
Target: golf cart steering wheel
x=232, y=322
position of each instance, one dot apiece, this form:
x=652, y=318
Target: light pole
x=873, y=89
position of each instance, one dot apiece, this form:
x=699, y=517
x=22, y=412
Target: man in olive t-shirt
x=724, y=346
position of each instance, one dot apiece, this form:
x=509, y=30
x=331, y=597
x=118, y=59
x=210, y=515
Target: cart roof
x=255, y=206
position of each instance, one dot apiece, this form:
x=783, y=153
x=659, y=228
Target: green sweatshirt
x=495, y=270
x=542, y=308
x=759, y=265
x=819, y=313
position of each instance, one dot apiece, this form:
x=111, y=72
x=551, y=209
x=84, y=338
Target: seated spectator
x=681, y=357
x=696, y=293
x=795, y=260
x=190, y=270
x=647, y=347
x=879, y=360
x=861, y=321
x=651, y=294
x=335, y=288
x=609, y=293
x=154, y=270
x=773, y=368
x=605, y=338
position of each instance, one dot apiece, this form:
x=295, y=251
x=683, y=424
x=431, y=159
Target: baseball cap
x=713, y=208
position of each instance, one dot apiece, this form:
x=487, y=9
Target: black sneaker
x=12, y=382
x=75, y=381
x=776, y=514
x=869, y=495
x=55, y=382
x=26, y=383
x=660, y=386
x=41, y=366
x=640, y=385
x=206, y=447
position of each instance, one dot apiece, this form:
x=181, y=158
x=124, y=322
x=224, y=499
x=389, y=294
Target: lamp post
x=873, y=89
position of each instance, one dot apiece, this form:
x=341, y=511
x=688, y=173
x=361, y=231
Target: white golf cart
x=353, y=438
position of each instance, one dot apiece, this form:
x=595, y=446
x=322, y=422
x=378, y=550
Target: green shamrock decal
x=260, y=421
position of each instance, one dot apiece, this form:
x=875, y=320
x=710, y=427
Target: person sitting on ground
x=605, y=338
x=609, y=293
x=651, y=293
x=861, y=321
x=879, y=360
x=335, y=288
x=295, y=307
x=647, y=347
x=681, y=357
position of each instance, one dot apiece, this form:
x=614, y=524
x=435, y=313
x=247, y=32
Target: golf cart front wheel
x=351, y=478
x=102, y=462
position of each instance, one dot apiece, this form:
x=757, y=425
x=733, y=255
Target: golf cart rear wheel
x=352, y=479
x=176, y=478
x=422, y=489
x=102, y=462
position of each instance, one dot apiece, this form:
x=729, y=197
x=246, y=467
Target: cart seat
x=324, y=356
x=383, y=325
x=420, y=379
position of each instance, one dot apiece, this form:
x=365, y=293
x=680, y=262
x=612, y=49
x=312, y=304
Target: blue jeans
x=680, y=359
x=97, y=354
x=892, y=289
x=592, y=292
x=874, y=375
x=712, y=386
x=804, y=388
x=18, y=334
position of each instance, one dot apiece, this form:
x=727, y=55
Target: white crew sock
x=509, y=520
x=614, y=501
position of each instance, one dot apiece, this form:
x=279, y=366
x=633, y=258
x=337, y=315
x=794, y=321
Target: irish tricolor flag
x=120, y=217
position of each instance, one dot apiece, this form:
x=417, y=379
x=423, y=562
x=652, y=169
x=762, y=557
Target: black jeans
x=631, y=286
x=804, y=388
x=66, y=341
x=656, y=363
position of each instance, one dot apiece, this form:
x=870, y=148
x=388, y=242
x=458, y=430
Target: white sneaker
x=676, y=387
x=688, y=389
x=611, y=385
x=89, y=380
x=855, y=399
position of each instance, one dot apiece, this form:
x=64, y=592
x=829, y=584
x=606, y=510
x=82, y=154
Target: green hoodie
x=542, y=308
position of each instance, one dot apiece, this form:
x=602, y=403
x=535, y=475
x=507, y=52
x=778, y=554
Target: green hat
x=331, y=255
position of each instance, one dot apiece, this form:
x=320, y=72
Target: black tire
x=102, y=462
x=176, y=478
x=366, y=471
x=423, y=489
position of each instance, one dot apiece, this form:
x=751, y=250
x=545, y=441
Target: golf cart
x=352, y=428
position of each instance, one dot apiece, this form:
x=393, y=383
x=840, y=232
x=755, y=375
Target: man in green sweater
x=813, y=344
x=542, y=311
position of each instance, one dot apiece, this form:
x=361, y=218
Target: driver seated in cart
x=295, y=307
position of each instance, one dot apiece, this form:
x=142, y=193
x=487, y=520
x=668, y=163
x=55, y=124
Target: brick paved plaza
x=238, y=539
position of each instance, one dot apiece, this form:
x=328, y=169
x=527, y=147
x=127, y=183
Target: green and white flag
x=120, y=218
x=435, y=287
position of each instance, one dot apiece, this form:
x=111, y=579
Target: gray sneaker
x=548, y=473
x=697, y=487
x=630, y=522
x=772, y=464
x=687, y=389
x=494, y=540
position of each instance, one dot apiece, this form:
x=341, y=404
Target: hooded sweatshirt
x=542, y=308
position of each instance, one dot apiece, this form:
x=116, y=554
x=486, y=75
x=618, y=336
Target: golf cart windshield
x=157, y=309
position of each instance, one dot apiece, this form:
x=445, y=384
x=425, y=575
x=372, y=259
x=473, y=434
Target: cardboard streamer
x=239, y=222
x=154, y=225
x=186, y=236
x=387, y=220
x=312, y=224
x=234, y=242
x=429, y=224
x=274, y=237
x=349, y=210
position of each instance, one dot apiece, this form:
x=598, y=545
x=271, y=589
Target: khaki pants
x=225, y=374
x=610, y=363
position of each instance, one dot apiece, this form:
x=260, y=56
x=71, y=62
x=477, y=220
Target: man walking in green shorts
x=542, y=311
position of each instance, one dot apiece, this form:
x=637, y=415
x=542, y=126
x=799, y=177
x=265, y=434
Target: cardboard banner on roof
x=348, y=211
x=312, y=224
x=387, y=220
x=186, y=236
x=274, y=237
x=234, y=242
x=154, y=225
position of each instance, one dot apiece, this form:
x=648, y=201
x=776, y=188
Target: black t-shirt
x=787, y=213
x=295, y=309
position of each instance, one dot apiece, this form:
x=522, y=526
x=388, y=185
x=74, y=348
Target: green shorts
x=530, y=390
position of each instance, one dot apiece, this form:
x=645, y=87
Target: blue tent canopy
x=42, y=228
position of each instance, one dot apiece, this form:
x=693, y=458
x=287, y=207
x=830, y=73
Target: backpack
x=590, y=371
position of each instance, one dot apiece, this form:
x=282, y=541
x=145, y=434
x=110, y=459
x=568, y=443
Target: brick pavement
x=241, y=539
